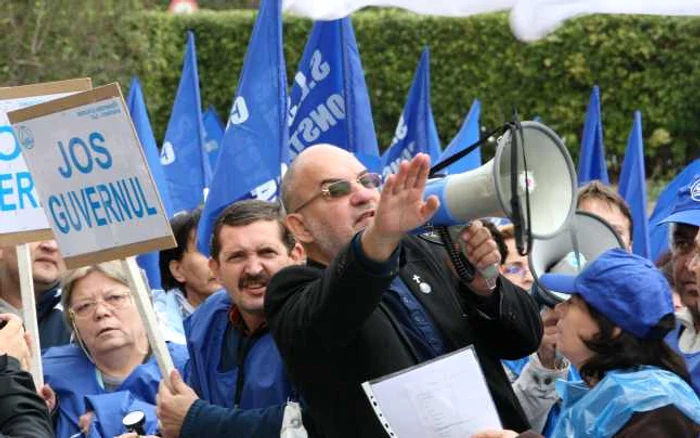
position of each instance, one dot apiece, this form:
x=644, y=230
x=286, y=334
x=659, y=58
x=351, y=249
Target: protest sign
x=101, y=201
x=90, y=171
x=22, y=217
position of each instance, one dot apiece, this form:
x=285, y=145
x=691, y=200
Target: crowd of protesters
x=305, y=299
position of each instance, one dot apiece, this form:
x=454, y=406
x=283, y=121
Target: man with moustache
x=685, y=225
x=47, y=268
x=373, y=301
x=235, y=368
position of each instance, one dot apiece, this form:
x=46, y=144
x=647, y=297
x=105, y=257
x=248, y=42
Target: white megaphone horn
x=549, y=177
x=587, y=237
x=531, y=180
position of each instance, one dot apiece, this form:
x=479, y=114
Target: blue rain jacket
x=604, y=410
x=79, y=390
x=692, y=360
x=265, y=387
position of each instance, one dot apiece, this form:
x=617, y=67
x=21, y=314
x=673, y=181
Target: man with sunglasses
x=374, y=300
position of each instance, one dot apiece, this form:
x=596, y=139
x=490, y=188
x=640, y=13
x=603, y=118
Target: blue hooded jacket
x=604, y=410
x=692, y=360
x=265, y=387
x=79, y=390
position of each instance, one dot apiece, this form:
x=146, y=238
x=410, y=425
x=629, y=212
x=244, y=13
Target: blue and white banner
x=329, y=102
x=591, y=160
x=468, y=134
x=213, y=134
x=183, y=157
x=136, y=104
x=254, y=149
x=416, y=131
x=633, y=188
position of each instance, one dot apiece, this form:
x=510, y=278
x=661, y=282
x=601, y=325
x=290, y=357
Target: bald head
x=305, y=164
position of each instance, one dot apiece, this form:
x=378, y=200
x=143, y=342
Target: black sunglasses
x=343, y=187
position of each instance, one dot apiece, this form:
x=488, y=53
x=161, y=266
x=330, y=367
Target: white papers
x=443, y=398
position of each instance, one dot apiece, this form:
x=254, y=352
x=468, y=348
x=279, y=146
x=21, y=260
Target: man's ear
x=215, y=268
x=298, y=254
x=174, y=267
x=295, y=223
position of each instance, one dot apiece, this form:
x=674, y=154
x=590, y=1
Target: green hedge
x=645, y=63
x=639, y=62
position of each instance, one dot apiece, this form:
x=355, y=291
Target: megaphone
x=549, y=178
x=589, y=234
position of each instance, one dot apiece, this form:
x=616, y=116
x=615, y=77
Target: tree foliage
x=645, y=63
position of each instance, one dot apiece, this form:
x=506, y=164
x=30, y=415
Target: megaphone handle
x=490, y=274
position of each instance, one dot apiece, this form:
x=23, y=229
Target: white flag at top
x=334, y=9
x=529, y=19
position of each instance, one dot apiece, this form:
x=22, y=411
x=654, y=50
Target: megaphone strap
x=522, y=242
x=453, y=158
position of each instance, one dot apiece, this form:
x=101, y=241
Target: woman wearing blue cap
x=612, y=330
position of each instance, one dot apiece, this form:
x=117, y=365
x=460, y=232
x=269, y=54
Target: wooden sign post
x=22, y=218
x=99, y=196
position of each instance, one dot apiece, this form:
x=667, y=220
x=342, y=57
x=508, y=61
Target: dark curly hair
x=625, y=350
x=246, y=212
x=182, y=224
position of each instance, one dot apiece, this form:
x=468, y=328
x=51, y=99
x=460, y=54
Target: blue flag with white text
x=213, y=133
x=254, y=148
x=633, y=188
x=329, y=102
x=183, y=157
x=664, y=205
x=416, y=131
x=591, y=160
x=142, y=123
x=468, y=135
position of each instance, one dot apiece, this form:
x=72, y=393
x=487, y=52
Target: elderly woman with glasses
x=110, y=370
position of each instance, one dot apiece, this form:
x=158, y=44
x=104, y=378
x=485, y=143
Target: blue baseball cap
x=625, y=288
x=687, y=208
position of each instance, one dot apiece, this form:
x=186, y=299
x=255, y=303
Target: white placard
x=443, y=398
x=21, y=212
x=90, y=172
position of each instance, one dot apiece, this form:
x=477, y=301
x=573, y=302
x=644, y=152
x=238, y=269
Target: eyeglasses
x=343, y=187
x=113, y=300
x=515, y=268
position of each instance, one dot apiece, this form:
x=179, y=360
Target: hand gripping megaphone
x=531, y=180
x=587, y=237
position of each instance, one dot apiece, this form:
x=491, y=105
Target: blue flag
x=468, y=135
x=213, y=133
x=183, y=157
x=664, y=205
x=591, y=160
x=633, y=187
x=416, y=131
x=255, y=145
x=329, y=102
x=139, y=115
